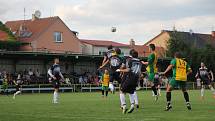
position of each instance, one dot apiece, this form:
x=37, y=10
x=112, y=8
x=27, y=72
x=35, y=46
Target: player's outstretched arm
x=106, y=62
x=144, y=63
x=168, y=69
x=123, y=70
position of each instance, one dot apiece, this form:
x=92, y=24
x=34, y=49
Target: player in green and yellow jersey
x=105, y=83
x=152, y=68
x=180, y=70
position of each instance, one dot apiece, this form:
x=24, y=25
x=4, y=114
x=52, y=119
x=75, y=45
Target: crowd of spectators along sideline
x=33, y=76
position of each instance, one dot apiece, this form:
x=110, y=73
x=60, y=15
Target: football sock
x=103, y=92
x=131, y=97
x=55, y=96
x=186, y=97
x=212, y=89
x=154, y=90
x=122, y=99
x=136, y=98
x=202, y=91
x=106, y=93
x=168, y=96
x=153, y=94
x=159, y=91
x=18, y=92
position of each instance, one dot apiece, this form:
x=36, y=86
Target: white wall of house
x=87, y=49
x=98, y=50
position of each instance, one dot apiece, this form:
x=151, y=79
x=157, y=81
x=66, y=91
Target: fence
x=80, y=87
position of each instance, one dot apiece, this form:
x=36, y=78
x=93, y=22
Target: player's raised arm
x=168, y=69
x=106, y=62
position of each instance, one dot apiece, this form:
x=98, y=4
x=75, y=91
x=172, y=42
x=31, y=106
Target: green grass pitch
x=92, y=107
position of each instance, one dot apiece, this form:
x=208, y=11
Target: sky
x=140, y=20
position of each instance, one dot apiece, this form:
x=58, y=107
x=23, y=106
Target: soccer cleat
x=131, y=110
x=188, y=106
x=137, y=106
x=168, y=108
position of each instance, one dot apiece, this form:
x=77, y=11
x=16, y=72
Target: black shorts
x=56, y=84
x=157, y=82
x=114, y=76
x=206, y=82
x=129, y=84
x=18, y=87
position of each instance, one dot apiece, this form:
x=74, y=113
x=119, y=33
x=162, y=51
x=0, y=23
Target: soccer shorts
x=56, y=84
x=151, y=77
x=129, y=84
x=105, y=88
x=114, y=76
x=18, y=87
x=177, y=83
x=206, y=82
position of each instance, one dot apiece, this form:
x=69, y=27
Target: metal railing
x=81, y=87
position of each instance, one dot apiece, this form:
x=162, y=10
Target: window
x=58, y=36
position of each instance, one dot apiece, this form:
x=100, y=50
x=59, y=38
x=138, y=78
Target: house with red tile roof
x=45, y=34
x=98, y=47
x=3, y=36
x=197, y=40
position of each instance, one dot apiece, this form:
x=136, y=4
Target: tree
x=176, y=43
x=11, y=43
x=5, y=29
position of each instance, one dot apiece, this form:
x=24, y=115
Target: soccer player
x=105, y=62
x=18, y=84
x=157, y=83
x=205, y=76
x=180, y=70
x=5, y=84
x=108, y=54
x=55, y=77
x=152, y=68
x=105, y=83
x=115, y=63
x=135, y=92
x=129, y=82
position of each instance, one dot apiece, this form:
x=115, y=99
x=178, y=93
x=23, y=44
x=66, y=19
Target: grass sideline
x=92, y=107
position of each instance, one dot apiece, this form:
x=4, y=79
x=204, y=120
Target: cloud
x=138, y=19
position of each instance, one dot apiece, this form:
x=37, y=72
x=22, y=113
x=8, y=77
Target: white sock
x=111, y=86
x=18, y=92
x=153, y=94
x=131, y=97
x=202, y=92
x=55, y=97
x=135, y=98
x=212, y=89
x=122, y=100
x=159, y=91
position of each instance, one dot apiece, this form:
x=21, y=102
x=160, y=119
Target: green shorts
x=177, y=83
x=105, y=88
x=151, y=77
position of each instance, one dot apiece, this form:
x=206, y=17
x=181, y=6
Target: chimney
x=34, y=17
x=132, y=42
x=213, y=34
